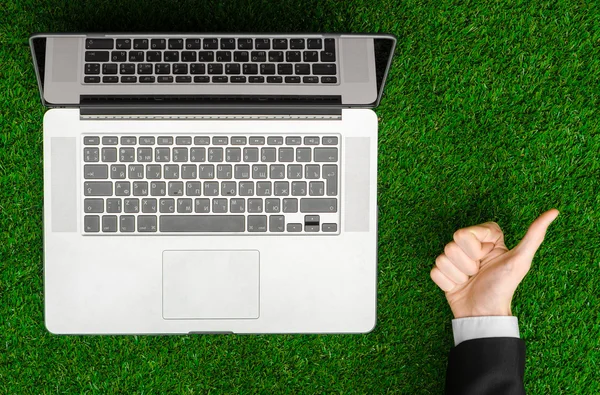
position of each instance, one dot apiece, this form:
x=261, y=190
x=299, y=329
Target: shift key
x=97, y=188
x=318, y=205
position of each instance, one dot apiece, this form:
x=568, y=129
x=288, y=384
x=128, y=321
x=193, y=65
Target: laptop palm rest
x=210, y=284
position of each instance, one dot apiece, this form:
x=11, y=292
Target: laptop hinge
x=210, y=107
x=210, y=113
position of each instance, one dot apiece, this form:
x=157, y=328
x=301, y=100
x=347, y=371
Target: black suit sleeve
x=487, y=366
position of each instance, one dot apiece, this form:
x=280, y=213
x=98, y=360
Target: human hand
x=479, y=274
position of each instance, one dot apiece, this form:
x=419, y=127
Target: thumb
x=535, y=234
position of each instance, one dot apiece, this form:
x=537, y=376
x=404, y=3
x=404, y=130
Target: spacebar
x=202, y=223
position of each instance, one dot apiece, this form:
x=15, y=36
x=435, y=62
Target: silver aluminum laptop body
x=226, y=236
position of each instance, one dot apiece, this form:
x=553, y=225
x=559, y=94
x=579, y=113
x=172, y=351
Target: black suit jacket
x=489, y=366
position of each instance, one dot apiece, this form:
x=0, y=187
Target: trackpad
x=210, y=284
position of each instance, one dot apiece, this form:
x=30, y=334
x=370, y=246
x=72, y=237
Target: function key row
x=216, y=79
x=210, y=56
x=327, y=44
x=205, y=140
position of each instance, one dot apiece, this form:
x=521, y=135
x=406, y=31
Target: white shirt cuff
x=480, y=327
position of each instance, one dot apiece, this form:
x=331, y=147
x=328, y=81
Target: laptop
x=210, y=183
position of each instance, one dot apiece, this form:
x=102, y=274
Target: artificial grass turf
x=490, y=113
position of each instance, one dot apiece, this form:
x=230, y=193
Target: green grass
x=490, y=113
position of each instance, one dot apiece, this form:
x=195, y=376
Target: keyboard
x=269, y=184
x=211, y=60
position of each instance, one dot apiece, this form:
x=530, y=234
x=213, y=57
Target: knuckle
x=460, y=234
x=450, y=248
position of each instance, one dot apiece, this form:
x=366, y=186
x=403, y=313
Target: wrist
x=477, y=312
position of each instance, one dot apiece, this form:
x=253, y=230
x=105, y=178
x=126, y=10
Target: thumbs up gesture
x=479, y=274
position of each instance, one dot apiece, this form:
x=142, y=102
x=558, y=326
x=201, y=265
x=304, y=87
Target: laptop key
x=220, y=79
x=113, y=205
x=122, y=188
x=274, y=79
x=140, y=188
x=162, y=68
x=312, y=172
x=245, y=43
x=136, y=56
x=97, y=56
x=206, y=172
x=272, y=205
x=140, y=43
x=267, y=68
x=197, y=68
x=330, y=140
x=95, y=172
x=293, y=140
x=233, y=154
x=232, y=68
x=188, y=56
x=316, y=188
x=311, y=56
x=147, y=79
x=158, y=43
x=326, y=154
x=180, y=68
x=215, y=154
x=91, y=154
x=123, y=43
x=224, y=172
x=281, y=188
x=166, y=205
x=99, y=43
x=163, y=79
x=193, y=188
x=329, y=227
x=158, y=188
x=263, y=188
x=193, y=43
x=183, y=79
x=303, y=154
x=126, y=154
x=293, y=56
x=202, y=205
x=91, y=223
x=255, y=205
x=110, y=79
x=299, y=188
x=329, y=80
x=210, y=43
x=241, y=56
x=171, y=172
x=257, y=223
x=258, y=56
x=275, y=56
x=171, y=56
x=294, y=172
x=318, y=205
x=109, y=68
x=294, y=227
x=246, y=188
x=223, y=56
x=285, y=69
x=146, y=223
x=276, y=223
x=286, y=154
x=277, y=172
x=228, y=43
x=331, y=177
x=109, y=154
x=153, y=172
x=314, y=43
x=202, y=223
x=211, y=188
x=262, y=43
x=268, y=154
x=290, y=205
x=175, y=188
x=188, y=172
x=206, y=56
x=92, y=80
x=297, y=43
x=91, y=140
x=219, y=206
x=118, y=56
x=324, y=69
x=92, y=68
x=131, y=205
x=302, y=69
x=184, y=205
x=237, y=205
x=109, y=223
x=330, y=44
x=97, y=188
x=201, y=79
x=242, y=172
x=149, y=205
x=256, y=79
x=310, y=80
x=176, y=43
x=93, y=205
x=153, y=56
x=327, y=56
x=280, y=43
x=127, y=223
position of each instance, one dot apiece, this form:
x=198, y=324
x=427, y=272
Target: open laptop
x=210, y=183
